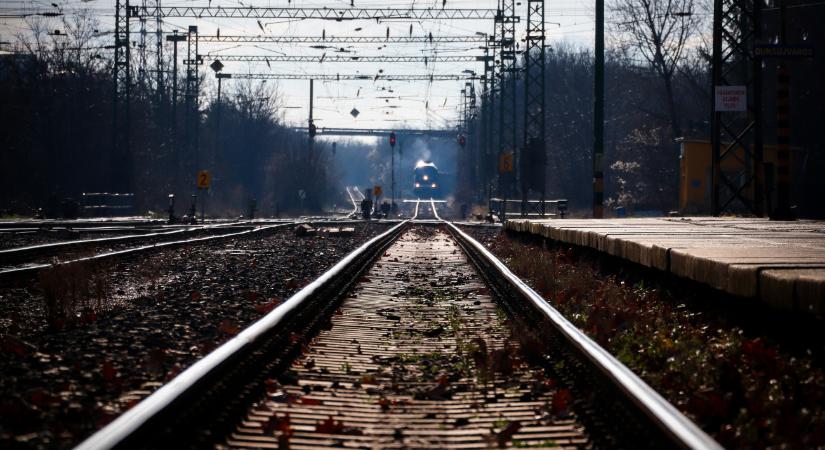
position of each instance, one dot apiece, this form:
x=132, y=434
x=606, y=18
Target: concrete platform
x=779, y=263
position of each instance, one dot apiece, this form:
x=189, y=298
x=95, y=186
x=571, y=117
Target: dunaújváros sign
x=783, y=51
x=731, y=98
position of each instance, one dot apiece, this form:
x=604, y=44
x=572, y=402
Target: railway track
x=28, y=252
x=418, y=339
x=26, y=262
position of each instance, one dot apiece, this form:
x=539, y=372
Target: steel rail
x=68, y=223
x=33, y=270
x=133, y=425
x=315, y=13
x=354, y=203
x=435, y=213
x=33, y=250
x=680, y=430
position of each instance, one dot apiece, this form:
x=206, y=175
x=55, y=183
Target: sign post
x=505, y=163
x=204, y=180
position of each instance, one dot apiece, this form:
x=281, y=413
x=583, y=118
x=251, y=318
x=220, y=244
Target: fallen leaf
x=329, y=426
x=507, y=433
x=561, y=399
x=228, y=327
x=108, y=371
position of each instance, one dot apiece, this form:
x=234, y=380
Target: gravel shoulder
x=135, y=323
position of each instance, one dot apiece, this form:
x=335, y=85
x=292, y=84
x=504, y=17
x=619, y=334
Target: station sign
x=731, y=98
x=783, y=51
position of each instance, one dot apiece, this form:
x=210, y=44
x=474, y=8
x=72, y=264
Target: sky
x=381, y=104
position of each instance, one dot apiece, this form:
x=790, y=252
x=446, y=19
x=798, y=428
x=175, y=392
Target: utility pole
x=534, y=154
x=192, y=94
x=217, y=66
x=122, y=84
x=160, y=90
x=783, y=130
x=174, y=39
x=311, y=142
x=142, y=64
x=598, y=116
x=392, y=169
x=736, y=133
x=506, y=23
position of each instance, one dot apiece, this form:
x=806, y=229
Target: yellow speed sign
x=204, y=178
x=505, y=163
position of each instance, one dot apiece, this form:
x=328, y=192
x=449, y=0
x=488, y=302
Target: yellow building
x=695, y=173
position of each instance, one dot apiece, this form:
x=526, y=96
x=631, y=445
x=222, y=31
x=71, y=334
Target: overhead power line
x=313, y=13
x=343, y=39
x=345, y=76
x=334, y=58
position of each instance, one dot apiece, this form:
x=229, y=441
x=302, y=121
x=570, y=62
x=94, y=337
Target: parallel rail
x=11, y=255
x=674, y=428
x=216, y=389
x=167, y=417
x=32, y=270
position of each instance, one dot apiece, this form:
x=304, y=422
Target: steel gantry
x=122, y=84
x=506, y=30
x=737, y=135
x=323, y=13
x=343, y=39
x=467, y=155
x=191, y=94
x=350, y=76
x=534, y=155
x=336, y=58
x=489, y=89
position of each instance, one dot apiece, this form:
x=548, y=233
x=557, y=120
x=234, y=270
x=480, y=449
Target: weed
x=74, y=293
x=745, y=392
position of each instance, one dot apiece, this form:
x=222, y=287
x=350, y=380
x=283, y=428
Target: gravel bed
x=136, y=323
x=740, y=385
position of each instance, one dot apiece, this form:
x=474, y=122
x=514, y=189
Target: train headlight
x=417, y=184
x=426, y=177
x=433, y=186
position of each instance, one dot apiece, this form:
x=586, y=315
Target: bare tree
x=660, y=30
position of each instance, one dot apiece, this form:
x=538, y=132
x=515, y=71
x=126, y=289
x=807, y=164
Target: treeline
x=641, y=155
x=57, y=143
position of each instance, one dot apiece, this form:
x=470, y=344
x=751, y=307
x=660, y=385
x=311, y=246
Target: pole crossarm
x=320, y=13
x=336, y=59
x=343, y=39
x=435, y=133
x=350, y=76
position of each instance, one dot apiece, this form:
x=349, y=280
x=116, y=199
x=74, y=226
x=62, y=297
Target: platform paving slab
x=779, y=263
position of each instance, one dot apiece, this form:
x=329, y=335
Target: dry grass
x=74, y=293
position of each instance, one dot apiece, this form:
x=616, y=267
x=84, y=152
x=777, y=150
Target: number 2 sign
x=204, y=178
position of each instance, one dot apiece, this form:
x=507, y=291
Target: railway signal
x=392, y=139
x=462, y=141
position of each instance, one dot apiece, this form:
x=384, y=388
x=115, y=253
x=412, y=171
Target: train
x=426, y=183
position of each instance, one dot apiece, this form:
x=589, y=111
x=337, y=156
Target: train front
x=426, y=184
